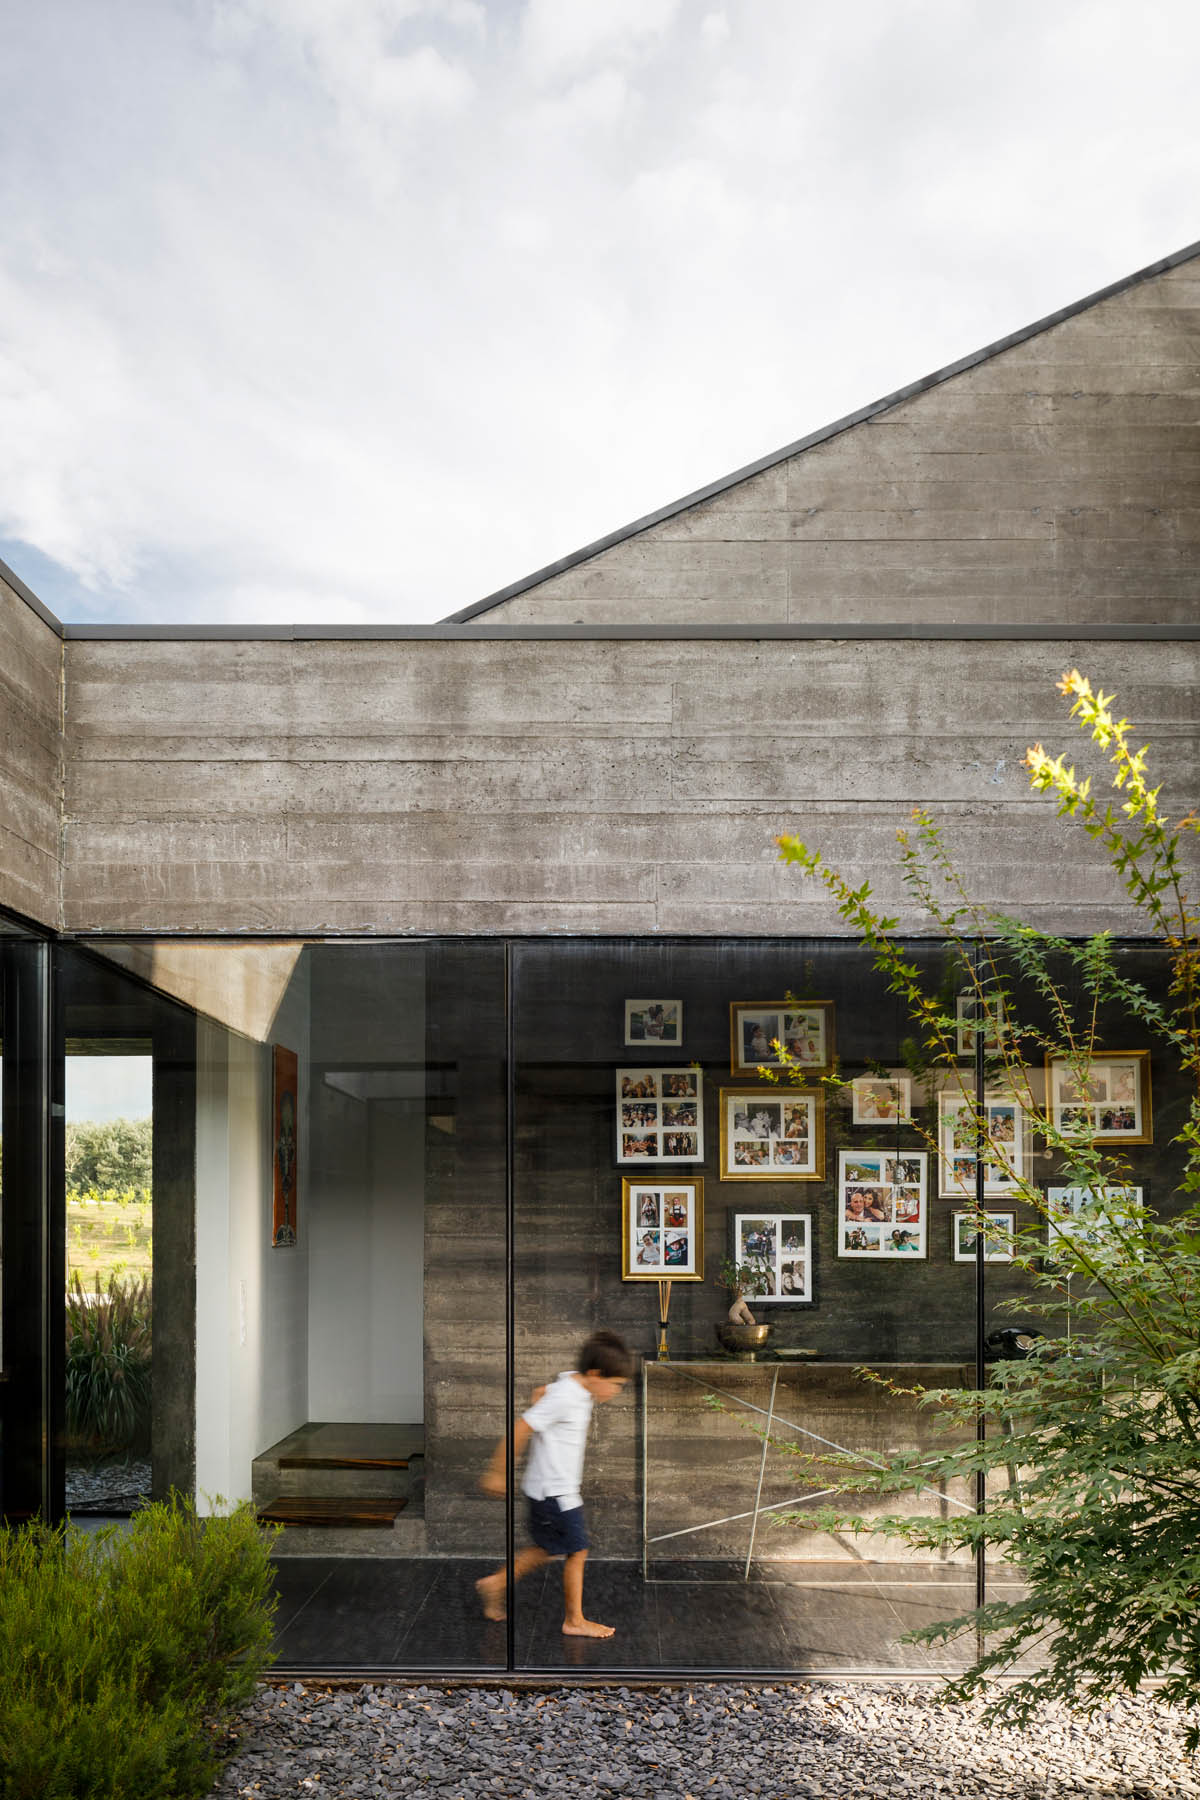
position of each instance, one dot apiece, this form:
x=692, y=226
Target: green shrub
x=124, y=1654
x=109, y=1339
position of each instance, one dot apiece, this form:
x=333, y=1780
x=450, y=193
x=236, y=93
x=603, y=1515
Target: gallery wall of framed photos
x=653, y=1141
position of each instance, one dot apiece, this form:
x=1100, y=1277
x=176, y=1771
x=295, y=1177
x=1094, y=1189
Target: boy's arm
x=492, y=1480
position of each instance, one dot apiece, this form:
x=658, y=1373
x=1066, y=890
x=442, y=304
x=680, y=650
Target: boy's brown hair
x=608, y=1354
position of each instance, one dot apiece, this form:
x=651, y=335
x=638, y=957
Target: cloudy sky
x=358, y=310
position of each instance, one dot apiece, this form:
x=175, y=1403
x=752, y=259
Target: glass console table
x=712, y=1474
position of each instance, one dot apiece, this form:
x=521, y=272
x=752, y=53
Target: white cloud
x=365, y=308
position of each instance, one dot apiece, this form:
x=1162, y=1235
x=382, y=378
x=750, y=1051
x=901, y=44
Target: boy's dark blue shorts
x=556, y=1532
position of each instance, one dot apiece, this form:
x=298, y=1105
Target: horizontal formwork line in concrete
x=1060, y=633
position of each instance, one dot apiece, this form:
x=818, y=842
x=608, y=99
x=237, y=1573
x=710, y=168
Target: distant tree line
x=115, y=1154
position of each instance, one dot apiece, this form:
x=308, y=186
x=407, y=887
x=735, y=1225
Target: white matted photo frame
x=772, y=1134
x=1109, y=1101
x=882, y=1198
x=662, y=1229
x=776, y=1248
x=881, y=1100
x=1005, y=1130
x=804, y=1028
x=999, y=1229
x=967, y=1016
x=1082, y=1212
x=660, y=1115
x=654, y=1022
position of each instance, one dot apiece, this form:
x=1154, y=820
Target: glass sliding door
x=666, y=1162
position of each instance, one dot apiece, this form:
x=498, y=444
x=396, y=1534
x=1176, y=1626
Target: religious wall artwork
x=1106, y=1099
x=772, y=1134
x=660, y=1115
x=772, y=1253
x=284, y=1146
x=882, y=1203
x=779, y=1034
x=662, y=1230
x=1000, y=1133
x=654, y=1022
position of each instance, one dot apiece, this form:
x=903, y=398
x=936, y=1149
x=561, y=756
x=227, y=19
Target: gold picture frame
x=803, y=1027
x=772, y=1134
x=1115, y=1104
x=662, y=1218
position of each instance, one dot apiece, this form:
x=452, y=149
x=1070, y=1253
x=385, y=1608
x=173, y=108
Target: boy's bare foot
x=587, y=1628
x=490, y=1589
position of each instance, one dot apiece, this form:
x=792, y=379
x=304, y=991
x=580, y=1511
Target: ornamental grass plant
x=109, y=1331
x=125, y=1654
x=1086, y=1454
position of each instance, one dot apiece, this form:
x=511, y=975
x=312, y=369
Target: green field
x=108, y=1234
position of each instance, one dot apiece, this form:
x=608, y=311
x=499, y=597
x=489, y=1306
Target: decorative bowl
x=743, y=1340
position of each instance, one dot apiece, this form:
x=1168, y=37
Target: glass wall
x=286, y=1227
x=657, y=1175
x=344, y=1210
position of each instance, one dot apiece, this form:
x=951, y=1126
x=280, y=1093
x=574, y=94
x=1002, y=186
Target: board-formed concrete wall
x=1057, y=480
x=619, y=786
x=30, y=759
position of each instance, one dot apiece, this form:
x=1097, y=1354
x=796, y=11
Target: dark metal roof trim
x=822, y=435
x=732, y=631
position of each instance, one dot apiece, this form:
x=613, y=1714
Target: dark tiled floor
x=799, y=1618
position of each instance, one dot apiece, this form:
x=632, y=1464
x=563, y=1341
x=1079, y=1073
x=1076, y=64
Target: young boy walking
x=557, y=1426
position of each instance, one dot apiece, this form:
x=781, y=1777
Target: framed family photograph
x=997, y=1230
x=881, y=1100
x=1109, y=1100
x=654, y=1022
x=772, y=1134
x=1083, y=1213
x=777, y=1034
x=662, y=1230
x=1003, y=1133
x=773, y=1252
x=660, y=1115
x=882, y=1203
x=971, y=1018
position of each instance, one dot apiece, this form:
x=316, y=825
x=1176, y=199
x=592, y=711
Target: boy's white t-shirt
x=560, y=1422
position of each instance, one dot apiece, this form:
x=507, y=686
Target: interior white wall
x=251, y=1300
x=367, y=1191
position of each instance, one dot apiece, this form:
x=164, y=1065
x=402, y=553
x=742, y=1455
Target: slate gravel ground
x=799, y=1741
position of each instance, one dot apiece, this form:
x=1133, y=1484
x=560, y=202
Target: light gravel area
x=710, y=1741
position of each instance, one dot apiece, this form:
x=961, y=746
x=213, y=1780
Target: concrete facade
x=31, y=653
x=572, y=786
x=526, y=773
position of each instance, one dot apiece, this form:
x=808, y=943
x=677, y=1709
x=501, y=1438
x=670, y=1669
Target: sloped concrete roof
x=723, y=486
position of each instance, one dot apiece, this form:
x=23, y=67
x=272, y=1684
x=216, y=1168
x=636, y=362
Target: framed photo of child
x=654, y=1022
x=1108, y=1099
x=997, y=1229
x=777, y=1034
x=882, y=1203
x=662, y=1230
x=881, y=1100
x=772, y=1134
x=660, y=1115
x=773, y=1253
x=1000, y=1134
